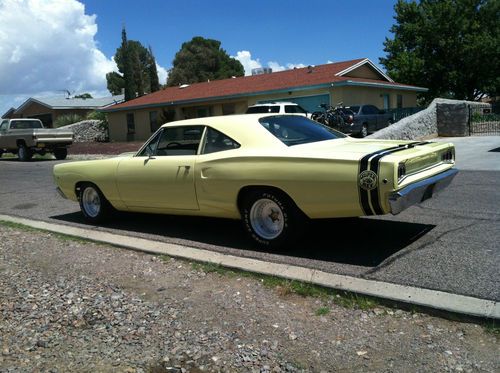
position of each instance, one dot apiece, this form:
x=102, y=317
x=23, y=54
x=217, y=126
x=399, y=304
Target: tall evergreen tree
x=128, y=72
x=153, y=72
x=134, y=63
x=200, y=60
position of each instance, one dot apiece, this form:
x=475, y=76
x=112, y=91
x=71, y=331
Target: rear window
x=263, y=109
x=354, y=109
x=296, y=130
x=25, y=124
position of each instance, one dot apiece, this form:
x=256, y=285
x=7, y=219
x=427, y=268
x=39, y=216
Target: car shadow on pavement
x=356, y=241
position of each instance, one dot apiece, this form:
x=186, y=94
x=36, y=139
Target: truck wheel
x=60, y=153
x=95, y=207
x=23, y=153
x=270, y=218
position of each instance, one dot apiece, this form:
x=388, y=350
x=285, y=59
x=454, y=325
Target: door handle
x=186, y=167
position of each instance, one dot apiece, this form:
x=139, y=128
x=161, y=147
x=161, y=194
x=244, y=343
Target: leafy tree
x=200, y=60
x=451, y=47
x=134, y=64
x=84, y=96
x=116, y=83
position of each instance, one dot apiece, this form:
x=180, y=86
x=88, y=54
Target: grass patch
x=164, y=258
x=492, y=328
x=322, y=311
x=211, y=268
x=61, y=236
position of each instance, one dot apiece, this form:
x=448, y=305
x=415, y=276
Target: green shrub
x=97, y=115
x=64, y=120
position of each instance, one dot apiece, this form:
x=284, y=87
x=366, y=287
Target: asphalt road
x=448, y=243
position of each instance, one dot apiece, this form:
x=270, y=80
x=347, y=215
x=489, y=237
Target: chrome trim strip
x=420, y=191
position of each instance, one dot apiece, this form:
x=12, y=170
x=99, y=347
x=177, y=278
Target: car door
x=3, y=133
x=369, y=117
x=161, y=176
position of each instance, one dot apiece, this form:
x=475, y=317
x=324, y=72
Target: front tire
x=23, y=153
x=94, y=206
x=271, y=218
x=60, y=153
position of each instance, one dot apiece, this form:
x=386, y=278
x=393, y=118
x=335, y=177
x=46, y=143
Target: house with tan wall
x=353, y=82
x=48, y=109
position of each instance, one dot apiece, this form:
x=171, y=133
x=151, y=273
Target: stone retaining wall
x=443, y=117
x=88, y=131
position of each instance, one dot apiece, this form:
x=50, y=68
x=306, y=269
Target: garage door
x=310, y=103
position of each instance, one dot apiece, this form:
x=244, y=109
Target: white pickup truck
x=26, y=137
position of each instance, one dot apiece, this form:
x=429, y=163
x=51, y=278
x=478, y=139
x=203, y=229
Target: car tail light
x=350, y=119
x=401, y=170
x=447, y=156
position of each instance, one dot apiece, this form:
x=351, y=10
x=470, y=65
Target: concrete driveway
x=479, y=153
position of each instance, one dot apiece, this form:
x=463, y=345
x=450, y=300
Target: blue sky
x=69, y=44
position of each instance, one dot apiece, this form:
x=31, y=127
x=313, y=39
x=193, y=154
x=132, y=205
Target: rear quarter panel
x=319, y=187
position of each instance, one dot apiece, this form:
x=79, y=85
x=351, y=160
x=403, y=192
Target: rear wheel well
x=250, y=188
x=20, y=142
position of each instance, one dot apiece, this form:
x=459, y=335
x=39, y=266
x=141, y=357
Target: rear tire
x=94, y=206
x=60, y=153
x=23, y=153
x=271, y=218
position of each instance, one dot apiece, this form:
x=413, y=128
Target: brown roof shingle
x=288, y=79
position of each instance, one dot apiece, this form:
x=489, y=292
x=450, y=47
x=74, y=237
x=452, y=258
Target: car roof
x=243, y=128
x=276, y=104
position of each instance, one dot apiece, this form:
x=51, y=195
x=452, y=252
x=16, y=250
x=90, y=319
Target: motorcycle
x=333, y=116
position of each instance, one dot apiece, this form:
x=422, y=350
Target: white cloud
x=162, y=74
x=48, y=46
x=245, y=57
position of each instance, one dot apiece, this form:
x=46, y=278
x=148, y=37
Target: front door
x=162, y=175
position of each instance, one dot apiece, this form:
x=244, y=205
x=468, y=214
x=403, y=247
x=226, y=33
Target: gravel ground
x=74, y=306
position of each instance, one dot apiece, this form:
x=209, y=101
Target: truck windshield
x=25, y=124
x=296, y=130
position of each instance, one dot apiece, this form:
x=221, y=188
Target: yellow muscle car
x=271, y=171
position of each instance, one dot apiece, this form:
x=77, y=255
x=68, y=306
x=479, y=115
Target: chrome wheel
x=91, y=202
x=266, y=218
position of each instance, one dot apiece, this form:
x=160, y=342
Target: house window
x=130, y=124
x=153, y=121
x=400, y=101
x=228, y=109
x=387, y=101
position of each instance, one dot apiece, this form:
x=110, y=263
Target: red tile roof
x=288, y=79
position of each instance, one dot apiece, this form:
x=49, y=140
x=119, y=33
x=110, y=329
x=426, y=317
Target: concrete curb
x=422, y=297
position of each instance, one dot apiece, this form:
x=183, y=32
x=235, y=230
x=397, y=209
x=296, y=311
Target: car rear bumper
x=420, y=191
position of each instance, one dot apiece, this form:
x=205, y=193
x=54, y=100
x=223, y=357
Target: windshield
x=295, y=130
x=263, y=109
x=25, y=124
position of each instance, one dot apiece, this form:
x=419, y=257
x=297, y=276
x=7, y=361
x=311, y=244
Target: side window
x=183, y=140
x=216, y=141
x=150, y=148
x=130, y=123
